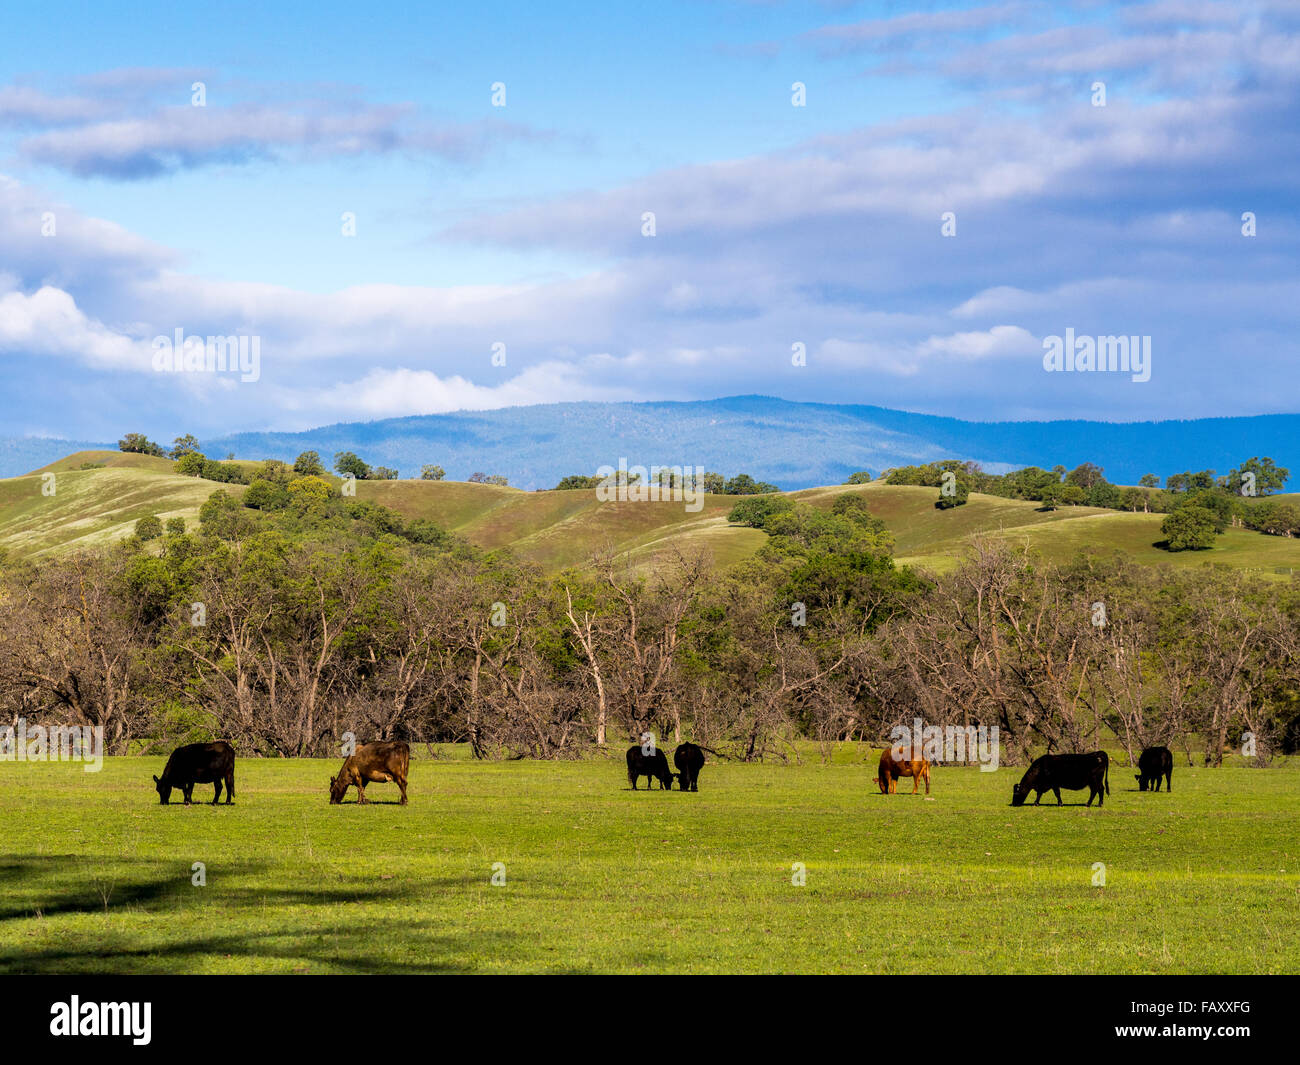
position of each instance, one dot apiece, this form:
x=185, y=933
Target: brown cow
x=373, y=763
x=892, y=768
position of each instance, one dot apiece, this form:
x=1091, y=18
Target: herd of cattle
x=387, y=762
x=1051, y=772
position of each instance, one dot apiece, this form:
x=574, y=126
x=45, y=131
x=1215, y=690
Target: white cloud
x=48, y=322
x=388, y=393
x=1002, y=341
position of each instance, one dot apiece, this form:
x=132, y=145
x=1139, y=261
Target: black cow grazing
x=1156, y=762
x=198, y=763
x=1053, y=772
x=384, y=762
x=652, y=766
x=689, y=760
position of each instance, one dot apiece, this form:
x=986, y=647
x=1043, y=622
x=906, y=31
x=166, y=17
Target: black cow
x=652, y=766
x=689, y=760
x=198, y=763
x=1053, y=772
x=1156, y=762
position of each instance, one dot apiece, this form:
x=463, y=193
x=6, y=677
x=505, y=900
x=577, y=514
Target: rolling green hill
x=559, y=529
x=935, y=539
x=99, y=495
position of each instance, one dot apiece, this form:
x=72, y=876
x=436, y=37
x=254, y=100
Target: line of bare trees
x=282, y=646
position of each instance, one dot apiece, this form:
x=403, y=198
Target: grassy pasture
x=95, y=875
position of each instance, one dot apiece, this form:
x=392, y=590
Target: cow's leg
x=1057, y=793
x=916, y=782
x=1157, y=783
x=401, y=783
x=230, y=787
x=927, y=782
x=1169, y=781
x=216, y=791
x=361, y=792
x=188, y=791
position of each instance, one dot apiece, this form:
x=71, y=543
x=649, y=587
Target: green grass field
x=95, y=875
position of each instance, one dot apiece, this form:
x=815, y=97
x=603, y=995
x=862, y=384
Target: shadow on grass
x=33, y=886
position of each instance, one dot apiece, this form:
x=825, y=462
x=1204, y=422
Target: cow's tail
x=1107, y=774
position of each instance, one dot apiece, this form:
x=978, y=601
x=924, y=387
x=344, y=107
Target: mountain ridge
x=792, y=444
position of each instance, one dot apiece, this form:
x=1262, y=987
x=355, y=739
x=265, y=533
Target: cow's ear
x=155, y=780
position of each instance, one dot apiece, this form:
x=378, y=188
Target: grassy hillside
x=599, y=878
x=558, y=529
x=98, y=496
x=936, y=538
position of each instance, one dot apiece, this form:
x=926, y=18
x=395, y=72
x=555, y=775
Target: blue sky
x=521, y=225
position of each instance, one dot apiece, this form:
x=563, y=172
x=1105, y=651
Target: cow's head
x=1019, y=793
x=338, y=788
x=1142, y=784
x=164, y=790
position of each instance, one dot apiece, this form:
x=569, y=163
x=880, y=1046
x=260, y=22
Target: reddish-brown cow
x=372, y=763
x=892, y=768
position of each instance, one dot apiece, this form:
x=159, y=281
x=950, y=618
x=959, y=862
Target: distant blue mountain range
x=22, y=454
x=793, y=445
